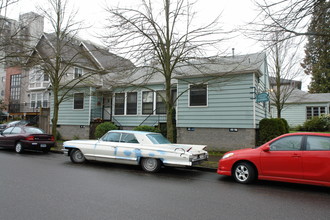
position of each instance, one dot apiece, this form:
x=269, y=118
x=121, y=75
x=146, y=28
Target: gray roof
x=299, y=96
x=195, y=67
x=223, y=65
x=83, y=53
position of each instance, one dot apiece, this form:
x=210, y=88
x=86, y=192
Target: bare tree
x=283, y=69
x=57, y=53
x=291, y=17
x=160, y=36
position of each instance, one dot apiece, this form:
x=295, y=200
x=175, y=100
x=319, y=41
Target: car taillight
x=52, y=138
x=30, y=138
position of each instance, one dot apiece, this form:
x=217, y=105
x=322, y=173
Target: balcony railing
x=27, y=107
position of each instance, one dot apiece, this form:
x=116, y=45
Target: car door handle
x=296, y=155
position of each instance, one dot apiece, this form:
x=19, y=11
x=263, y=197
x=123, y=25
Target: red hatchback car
x=296, y=157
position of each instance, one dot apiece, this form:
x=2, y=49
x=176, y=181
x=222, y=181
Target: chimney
x=233, y=52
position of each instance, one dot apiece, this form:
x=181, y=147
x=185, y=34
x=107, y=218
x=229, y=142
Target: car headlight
x=227, y=155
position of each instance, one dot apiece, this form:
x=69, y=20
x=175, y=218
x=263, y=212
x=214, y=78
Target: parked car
x=26, y=137
x=14, y=123
x=3, y=127
x=296, y=157
x=148, y=149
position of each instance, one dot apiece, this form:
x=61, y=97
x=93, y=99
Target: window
x=158, y=139
x=111, y=137
x=15, y=87
x=131, y=106
x=46, y=77
x=198, y=95
x=147, y=102
x=33, y=100
x=78, y=101
x=314, y=111
x=128, y=138
x=160, y=105
x=119, y=103
x=39, y=100
x=292, y=143
x=77, y=72
x=37, y=78
x=315, y=143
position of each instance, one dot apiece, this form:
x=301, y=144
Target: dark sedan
x=25, y=137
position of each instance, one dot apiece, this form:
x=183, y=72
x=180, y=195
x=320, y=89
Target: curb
x=205, y=169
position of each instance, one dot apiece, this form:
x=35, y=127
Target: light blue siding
x=230, y=104
x=135, y=120
x=295, y=114
x=69, y=116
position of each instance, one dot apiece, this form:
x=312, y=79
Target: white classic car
x=148, y=149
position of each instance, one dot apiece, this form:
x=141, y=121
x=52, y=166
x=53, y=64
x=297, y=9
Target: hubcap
x=242, y=173
x=18, y=147
x=79, y=156
x=150, y=164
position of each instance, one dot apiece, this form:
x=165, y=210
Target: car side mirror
x=266, y=148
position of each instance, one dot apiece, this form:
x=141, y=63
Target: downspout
x=90, y=105
x=254, y=103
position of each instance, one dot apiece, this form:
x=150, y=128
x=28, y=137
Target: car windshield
x=33, y=130
x=158, y=139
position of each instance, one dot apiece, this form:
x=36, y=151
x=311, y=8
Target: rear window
x=158, y=139
x=33, y=130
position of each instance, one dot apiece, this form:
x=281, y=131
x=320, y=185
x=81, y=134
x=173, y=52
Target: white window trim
x=83, y=102
x=125, y=103
x=36, y=101
x=207, y=96
x=153, y=102
x=74, y=72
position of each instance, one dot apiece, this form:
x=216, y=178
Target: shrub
x=286, y=126
x=271, y=128
x=316, y=124
x=103, y=128
x=146, y=128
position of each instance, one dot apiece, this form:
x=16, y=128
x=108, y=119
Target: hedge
x=270, y=128
x=103, y=128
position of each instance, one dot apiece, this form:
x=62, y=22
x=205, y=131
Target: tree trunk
x=55, y=115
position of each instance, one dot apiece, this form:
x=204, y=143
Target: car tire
x=244, y=172
x=19, y=148
x=46, y=150
x=151, y=165
x=77, y=156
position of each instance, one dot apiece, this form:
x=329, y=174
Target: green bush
x=103, y=128
x=146, y=128
x=317, y=124
x=286, y=126
x=271, y=128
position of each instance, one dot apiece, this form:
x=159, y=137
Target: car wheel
x=151, y=165
x=244, y=173
x=77, y=156
x=19, y=148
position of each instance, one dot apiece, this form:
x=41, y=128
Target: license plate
x=43, y=145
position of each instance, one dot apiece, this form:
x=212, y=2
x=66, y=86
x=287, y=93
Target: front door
x=106, y=148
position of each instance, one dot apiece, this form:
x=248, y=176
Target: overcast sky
x=234, y=13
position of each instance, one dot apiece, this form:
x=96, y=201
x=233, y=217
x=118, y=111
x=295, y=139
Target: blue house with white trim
x=215, y=102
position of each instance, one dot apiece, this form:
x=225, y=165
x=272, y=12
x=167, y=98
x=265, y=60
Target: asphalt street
x=37, y=186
